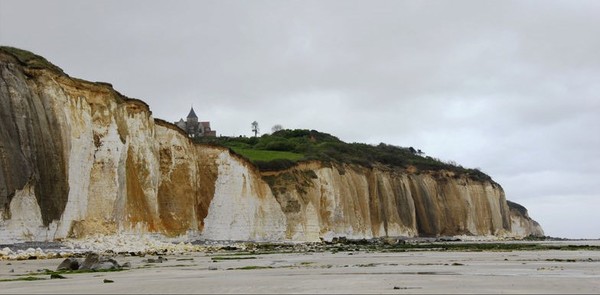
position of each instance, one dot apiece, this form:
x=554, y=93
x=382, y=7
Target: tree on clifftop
x=255, y=128
x=276, y=128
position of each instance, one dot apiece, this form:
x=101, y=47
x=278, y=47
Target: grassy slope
x=267, y=156
x=284, y=148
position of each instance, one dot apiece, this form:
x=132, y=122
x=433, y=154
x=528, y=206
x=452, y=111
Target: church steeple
x=194, y=128
x=192, y=114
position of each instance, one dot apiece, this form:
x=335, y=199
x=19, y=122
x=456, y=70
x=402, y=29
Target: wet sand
x=548, y=271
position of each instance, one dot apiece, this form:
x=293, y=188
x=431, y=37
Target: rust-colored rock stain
x=138, y=209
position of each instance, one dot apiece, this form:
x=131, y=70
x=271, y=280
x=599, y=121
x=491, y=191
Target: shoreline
x=123, y=244
x=357, y=270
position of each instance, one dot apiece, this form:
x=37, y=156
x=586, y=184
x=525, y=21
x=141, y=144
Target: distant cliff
x=79, y=158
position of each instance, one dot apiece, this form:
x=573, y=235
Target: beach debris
x=406, y=288
x=11, y=270
x=212, y=267
x=29, y=253
x=392, y=241
x=160, y=259
x=126, y=244
x=5, y=251
x=108, y=281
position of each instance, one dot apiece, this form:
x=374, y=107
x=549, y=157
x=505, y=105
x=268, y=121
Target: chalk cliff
x=79, y=158
x=357, y=202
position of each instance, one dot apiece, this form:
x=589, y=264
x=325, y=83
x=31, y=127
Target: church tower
x=192, y=124
x=194, y=128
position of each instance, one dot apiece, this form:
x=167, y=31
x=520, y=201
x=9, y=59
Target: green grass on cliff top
x=284, y=148
x=266, y=155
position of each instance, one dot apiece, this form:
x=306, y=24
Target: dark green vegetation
x=282, y=149
x=517, y=207
x=30, y=59
x=266, y=155
x=27, y=278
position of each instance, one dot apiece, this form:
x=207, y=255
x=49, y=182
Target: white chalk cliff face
x=78, y=158
x=243, y=207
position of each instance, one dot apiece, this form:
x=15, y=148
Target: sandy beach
x=546, y=271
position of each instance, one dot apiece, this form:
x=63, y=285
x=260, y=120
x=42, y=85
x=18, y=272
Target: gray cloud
x=508, y=86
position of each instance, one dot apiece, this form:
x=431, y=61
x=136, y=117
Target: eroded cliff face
x=78, y=158
x=521, y=224
x=343, y=200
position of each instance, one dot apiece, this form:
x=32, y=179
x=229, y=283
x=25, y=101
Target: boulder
x=94, y=261
x=69, y=264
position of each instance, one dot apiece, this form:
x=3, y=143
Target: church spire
x=192, y=114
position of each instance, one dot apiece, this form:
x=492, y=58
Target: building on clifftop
x=194, y=128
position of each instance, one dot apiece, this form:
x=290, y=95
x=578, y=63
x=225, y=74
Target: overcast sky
x=510, y=87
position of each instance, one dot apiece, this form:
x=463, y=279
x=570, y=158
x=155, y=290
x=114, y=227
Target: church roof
x=192, y=114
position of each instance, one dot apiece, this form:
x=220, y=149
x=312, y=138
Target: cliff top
x=33, y=61
x=30, y=59
x=520, y=208
x=285, y=148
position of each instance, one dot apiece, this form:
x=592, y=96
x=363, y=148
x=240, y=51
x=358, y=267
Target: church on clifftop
x=194, y=128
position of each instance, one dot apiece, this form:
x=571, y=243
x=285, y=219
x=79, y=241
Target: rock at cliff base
x=69, y=264
x=94, y=261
